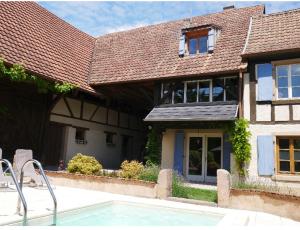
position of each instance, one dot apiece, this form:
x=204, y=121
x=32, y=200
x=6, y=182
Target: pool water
x=131, y=214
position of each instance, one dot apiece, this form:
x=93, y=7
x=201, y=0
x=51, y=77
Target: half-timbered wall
x=97, y=121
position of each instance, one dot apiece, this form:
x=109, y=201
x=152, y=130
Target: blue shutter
x=182, y=45
x=227, y=150
x=211, y=39
x=178, y=152
x=265, y=82
x=265, y=155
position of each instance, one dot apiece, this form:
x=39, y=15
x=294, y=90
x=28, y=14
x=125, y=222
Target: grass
x=179, y=190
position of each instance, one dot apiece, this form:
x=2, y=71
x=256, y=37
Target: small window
x=288, y=156
x=191, y=92
x=80, y=136
x=197, y=42
x=110, y=138
x=166, y=93
x=204, y=91
x=231, y=89
x=288, y=81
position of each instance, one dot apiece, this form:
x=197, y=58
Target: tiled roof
x=45, y=44
x=151, y=52
x=274, y=33
x=193, y=113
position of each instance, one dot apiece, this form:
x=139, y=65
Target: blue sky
x=98, y=18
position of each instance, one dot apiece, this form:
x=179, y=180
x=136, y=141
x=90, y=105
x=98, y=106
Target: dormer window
x=197, y=42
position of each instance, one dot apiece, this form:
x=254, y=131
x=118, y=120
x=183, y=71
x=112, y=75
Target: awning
x=194, y=113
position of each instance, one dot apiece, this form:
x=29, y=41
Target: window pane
x=296, y=69
x=179, y=93
x=297, y=166
x=231, y=89
x=284, y=154
x=167, y=93
x=296, y=80
x=296, y=143
x=203, y=44
x=284, y=143
x=204, y=91
x=192, y=46
x=297, y=155
x=191, y=91
x=284, y=166
x=264, y=70
x=296, y=92
x=283, y=93
x=282, y=71
x=282, y=82
x=218, y=90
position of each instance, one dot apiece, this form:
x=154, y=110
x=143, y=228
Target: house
x=271, y=95
x=186, y=79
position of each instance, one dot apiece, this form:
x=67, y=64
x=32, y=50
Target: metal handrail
x=21, y=196
x=38, y=164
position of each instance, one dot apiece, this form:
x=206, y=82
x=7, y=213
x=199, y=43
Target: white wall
x=109, y=156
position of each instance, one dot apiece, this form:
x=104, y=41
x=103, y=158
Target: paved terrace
x=40, y=203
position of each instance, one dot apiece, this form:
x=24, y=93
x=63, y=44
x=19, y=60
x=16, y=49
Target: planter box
x=104, y=184
x=278, y=204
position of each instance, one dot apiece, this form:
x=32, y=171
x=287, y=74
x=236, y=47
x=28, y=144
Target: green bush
x=150, y=172
x=131, y=169
x=84, y=164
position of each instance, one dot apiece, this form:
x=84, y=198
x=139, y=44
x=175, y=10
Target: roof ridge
x=36, y=3
x=176, y=21
x=278, y=13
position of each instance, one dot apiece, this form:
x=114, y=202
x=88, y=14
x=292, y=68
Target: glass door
x=213, y=158
x=195, y=158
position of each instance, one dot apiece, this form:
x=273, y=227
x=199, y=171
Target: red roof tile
x=274, y=33
x=45, y=44
x=152, y=52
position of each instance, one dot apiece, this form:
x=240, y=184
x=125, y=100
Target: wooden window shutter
x=265, y=82
x=179, y=152
x=182, y=45
x=265, y=155
x=211, y=39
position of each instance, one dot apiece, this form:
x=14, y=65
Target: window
x=219, y=89
x=288, y=81
x=197, y=42
x=288, y=155
x=110, y=138
x=80, y=136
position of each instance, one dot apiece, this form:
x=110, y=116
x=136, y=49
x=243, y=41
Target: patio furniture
x=22, y=156
x=6, y=180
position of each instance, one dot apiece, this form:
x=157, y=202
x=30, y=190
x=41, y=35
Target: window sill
x=286, y=178
x=286, y=101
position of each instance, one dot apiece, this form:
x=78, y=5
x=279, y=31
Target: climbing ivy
x=153, y=148
x=239, y=138
x=17, y=73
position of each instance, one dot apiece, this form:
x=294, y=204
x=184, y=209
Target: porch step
x=201, y=186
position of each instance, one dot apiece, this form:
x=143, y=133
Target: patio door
x=204, y=156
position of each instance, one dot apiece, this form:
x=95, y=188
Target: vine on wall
x=239, y=138
x=17, y=73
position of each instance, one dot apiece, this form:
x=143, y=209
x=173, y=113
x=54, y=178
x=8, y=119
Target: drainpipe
x=242, y=69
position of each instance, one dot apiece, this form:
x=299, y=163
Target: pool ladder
x=20, y=186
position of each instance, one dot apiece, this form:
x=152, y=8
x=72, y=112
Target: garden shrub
x=131, y=169
x=84, y=164
x=150, y=172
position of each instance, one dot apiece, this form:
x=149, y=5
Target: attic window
x=197, y=42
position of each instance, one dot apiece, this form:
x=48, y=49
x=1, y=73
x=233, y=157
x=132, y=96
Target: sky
x=99, y=18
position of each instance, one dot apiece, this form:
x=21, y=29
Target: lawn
x=179, y=190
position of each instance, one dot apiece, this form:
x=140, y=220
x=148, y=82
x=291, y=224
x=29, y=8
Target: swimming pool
x=117, y=213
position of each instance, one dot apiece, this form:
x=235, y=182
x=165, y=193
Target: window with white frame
x=212, y=90
x=288, y=81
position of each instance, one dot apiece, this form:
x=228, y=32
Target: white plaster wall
x=75, y=106
x=282, y=113
x=296, y=112
x=61, y=108
x=246, y=97
x=275, y=130
x=112, y=117
x=263, y=112
x=88, y=110
x=124, y=120
x=109, y=156
x=100, y=115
